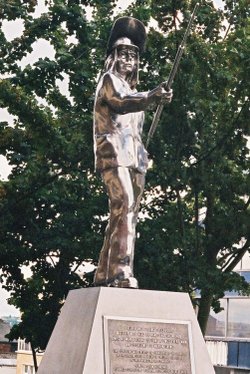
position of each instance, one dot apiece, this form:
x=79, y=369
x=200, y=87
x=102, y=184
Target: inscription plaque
x=147, y=346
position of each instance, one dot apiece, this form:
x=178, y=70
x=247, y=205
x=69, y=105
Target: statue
x=120, y=155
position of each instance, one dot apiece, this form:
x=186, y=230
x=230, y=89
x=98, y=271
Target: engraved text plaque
x=147, y=346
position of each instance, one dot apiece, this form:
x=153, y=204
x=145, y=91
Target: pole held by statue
x=167, y=85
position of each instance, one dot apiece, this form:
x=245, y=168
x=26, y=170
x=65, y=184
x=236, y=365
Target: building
x=7, y=350
x=25, y=364
x=228, y=332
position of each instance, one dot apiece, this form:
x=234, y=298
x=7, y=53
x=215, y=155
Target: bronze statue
x=120, y=155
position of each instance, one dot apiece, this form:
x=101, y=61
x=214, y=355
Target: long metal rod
x=167, y=85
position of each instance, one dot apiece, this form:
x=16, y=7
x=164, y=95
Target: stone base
x=113, y=331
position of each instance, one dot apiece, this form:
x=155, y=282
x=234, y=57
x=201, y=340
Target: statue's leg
x=112, y=184
x=124, y=187
x=101, y=273
x=125, y=194
x=121, y=196
x=138, y=181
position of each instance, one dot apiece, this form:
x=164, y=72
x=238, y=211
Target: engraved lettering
x=148, y=347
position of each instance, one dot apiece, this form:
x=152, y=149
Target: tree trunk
x=210, y=255
x=197, y=229
x=34, y=358
x=204, y=310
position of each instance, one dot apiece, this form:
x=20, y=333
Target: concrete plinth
x=128, y=331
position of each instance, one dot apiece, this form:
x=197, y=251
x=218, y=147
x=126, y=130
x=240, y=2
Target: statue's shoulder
x=106, y=79
x=109, y=77
x=109, y=81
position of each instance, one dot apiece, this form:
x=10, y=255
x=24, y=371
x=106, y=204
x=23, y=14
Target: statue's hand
x=166, y=95
x=161, y=95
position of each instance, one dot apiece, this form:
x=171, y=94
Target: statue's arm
x=122, y=103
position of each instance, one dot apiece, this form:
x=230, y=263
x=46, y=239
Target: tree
x=54, y=206
x=201, y=161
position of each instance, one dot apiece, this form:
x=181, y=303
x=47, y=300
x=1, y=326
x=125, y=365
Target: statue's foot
x=130, y=282
x=118, y=281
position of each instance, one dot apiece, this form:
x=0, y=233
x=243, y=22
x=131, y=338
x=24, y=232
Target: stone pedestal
x=128, y=331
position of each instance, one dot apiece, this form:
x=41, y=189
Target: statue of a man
x=120, y=155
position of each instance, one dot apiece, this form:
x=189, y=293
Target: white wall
x=7, y=370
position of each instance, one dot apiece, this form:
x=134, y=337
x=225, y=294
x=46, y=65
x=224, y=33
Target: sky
x=14, y=29
x=5, y=308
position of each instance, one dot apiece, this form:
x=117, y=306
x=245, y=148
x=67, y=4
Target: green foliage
x=200, y=159
x=53, y=205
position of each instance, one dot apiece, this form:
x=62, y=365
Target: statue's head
x=126, y=42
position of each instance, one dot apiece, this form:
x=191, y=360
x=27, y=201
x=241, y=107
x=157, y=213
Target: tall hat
x=127, y=27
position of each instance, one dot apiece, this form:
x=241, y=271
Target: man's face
x=126, y=59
